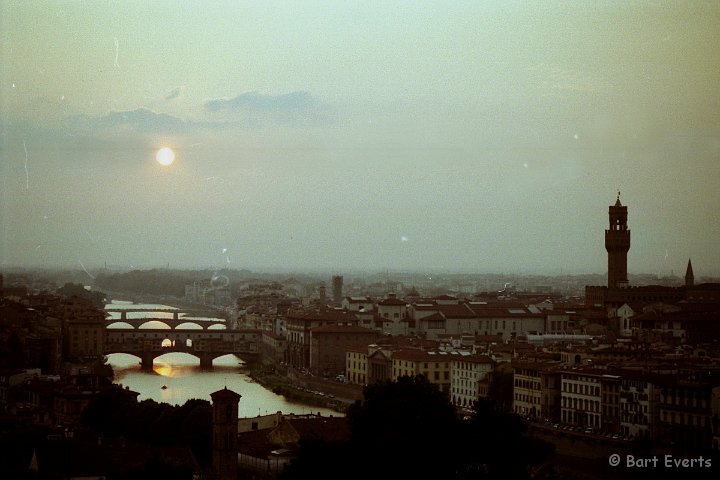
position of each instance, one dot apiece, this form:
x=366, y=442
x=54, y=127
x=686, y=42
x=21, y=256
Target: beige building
x=536, y=389
x=356, y=365
x=392, y=315
x=435, y=366
x=450, y=316
x=637, y=405
x=363, y=308
x=468, y=373
x=580, y=397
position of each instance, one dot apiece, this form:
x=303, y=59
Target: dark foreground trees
x=409, y=429
x=115, y=413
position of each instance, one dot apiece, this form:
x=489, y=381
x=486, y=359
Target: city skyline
x=451, y=136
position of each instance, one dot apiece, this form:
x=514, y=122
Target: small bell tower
x=225, y=432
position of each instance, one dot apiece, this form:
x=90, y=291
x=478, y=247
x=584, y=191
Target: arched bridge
x=175, y=311
x=207, y=345
x=173, y=323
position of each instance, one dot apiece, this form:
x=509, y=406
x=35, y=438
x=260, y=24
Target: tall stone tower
x=225, y=432
x=617, y=244
x=337, y=288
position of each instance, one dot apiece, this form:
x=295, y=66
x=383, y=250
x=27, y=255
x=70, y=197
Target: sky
x=477, y=137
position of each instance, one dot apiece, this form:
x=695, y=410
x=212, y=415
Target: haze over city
x=461, y=136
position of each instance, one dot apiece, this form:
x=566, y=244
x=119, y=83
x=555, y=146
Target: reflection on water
x=183, y=379
x=180, y=373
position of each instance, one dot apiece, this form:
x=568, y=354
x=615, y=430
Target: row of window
x=581, y=404
x=530, y=384
x=435, y=376
x=581, y=418
x=582, y=389
x=681, y=419
x=521, y=397
x=690, y=399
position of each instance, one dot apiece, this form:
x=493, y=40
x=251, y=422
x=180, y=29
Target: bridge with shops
x=204, y=343
x=173, y=323
x=207, y=345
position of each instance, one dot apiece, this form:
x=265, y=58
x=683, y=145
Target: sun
x=165, y=156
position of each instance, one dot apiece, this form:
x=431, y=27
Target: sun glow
x=165, y=156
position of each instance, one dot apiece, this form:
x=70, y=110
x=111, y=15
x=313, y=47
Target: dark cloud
x=174, y=93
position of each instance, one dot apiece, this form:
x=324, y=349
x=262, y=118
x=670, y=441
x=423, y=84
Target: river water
x=177, y=377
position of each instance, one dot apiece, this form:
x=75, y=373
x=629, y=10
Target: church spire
x=689, y=276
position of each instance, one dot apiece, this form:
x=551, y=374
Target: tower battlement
x=617, y=244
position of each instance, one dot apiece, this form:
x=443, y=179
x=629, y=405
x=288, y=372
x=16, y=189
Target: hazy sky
x=471, y=136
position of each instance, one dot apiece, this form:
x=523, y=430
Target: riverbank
x=310, y=392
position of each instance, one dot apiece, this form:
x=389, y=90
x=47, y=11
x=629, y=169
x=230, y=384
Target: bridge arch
x=167, y=323
x=190, y=325
x=119, y=324
x=152, y=324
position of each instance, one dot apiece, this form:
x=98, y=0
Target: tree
x=501, y=388
x=495, y=444
x=409, y=429
x=114, y=412
x=78, y=290
x=400, y=420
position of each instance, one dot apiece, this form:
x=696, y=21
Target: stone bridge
x=207, y=345
x=176, y=312
x=173, y=323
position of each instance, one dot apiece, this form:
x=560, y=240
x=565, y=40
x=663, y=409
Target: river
x=177, y=377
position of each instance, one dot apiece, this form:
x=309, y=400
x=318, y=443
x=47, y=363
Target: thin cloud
x=297, y=108
x=144, y=119
x=256, y=102
x=294, y=108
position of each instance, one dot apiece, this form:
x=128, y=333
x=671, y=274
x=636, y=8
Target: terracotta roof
x=456, y=311
x=495, y=312
x=474, y=358
x=445, y=297
x=257, y=443
x=342, y=329
x=421, y=356
x=331, y=429
x=434, y=317
x=323, y=314
x=392, y=301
